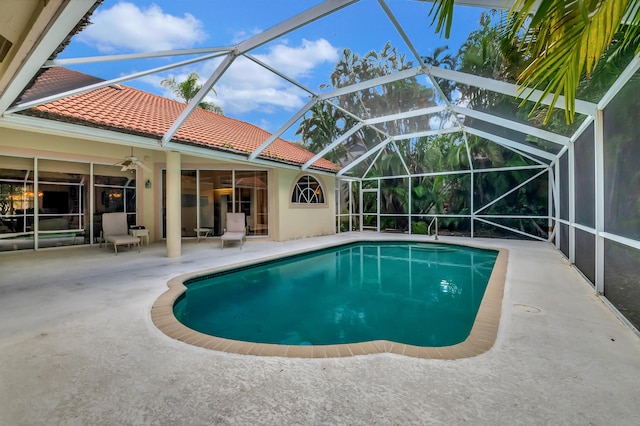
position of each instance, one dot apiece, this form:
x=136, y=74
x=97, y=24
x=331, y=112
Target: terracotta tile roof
x=56, y=82
x=124, y=109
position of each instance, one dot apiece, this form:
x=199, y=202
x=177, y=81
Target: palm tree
x=440, y=58
x=317, y=129
x=187, y=90
x=564, y=39
x=322, y=127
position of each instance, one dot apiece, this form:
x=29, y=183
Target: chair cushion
x=232, y=236
x=122, y=239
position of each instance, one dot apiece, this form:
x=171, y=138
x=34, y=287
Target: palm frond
x=566, y=40
x=442, y=11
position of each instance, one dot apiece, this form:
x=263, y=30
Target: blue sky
x=247, y=91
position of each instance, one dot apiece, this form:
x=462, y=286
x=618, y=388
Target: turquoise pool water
x=414, y=293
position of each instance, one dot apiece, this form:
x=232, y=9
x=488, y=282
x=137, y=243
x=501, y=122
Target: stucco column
x=173, y=206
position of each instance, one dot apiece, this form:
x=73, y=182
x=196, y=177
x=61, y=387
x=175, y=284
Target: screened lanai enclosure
x=430, y=140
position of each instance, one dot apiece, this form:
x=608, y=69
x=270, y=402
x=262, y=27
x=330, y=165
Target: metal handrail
x=435, y=219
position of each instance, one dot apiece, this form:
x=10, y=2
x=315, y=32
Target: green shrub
x=419, y=227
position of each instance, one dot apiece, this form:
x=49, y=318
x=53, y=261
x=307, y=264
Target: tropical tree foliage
x=487, y=52
x=187, y=90
x=563, y=41
x=320, y=128
x=331, y=119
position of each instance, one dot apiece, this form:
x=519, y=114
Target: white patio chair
x=236, y=229
x=115, y=230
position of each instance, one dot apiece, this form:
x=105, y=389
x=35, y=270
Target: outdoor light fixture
x=147, y=183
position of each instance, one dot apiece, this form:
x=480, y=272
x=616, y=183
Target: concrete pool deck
x=77, y=346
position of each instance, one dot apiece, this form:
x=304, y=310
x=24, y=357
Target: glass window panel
x=188, y=202
x=60, y=193
x=222, y=182
x=17, y=201
x=622, y=163
x=621, y=284
x=217, y=197
x=62, y=208
x=207, y=198
x=130, y=202
x=307, y=190
x=252, y=200
x=260, y=225
x=586, y=254
x=585, y=180
x=114, y=191
x=109, y=199
x=62, y=205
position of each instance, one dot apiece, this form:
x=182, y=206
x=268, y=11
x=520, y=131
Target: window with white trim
x=307, y=191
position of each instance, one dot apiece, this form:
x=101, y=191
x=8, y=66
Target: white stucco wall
x=286, y=220
x=300, y=221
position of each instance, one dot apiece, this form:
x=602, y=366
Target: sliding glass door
x=208, y=195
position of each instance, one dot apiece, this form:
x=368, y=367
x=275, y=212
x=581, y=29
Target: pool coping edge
x=481, y=338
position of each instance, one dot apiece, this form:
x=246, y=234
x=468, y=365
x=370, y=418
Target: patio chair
x=115, y=230
x=236, y=229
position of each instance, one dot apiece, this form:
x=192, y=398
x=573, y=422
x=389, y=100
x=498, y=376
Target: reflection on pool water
x=420, y=294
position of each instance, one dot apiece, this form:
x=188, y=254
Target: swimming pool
x=416, y=298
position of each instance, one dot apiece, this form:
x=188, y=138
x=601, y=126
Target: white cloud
x=247, y=87
x=298, y=61
x=125, y=27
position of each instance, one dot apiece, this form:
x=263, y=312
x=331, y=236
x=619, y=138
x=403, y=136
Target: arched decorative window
x=307, y=191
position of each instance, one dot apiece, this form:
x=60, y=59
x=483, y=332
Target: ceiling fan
x=130, y=163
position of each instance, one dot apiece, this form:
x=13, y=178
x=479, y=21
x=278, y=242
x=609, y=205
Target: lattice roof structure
x=441, y=114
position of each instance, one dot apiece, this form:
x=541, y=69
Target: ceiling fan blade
x=131, y=163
